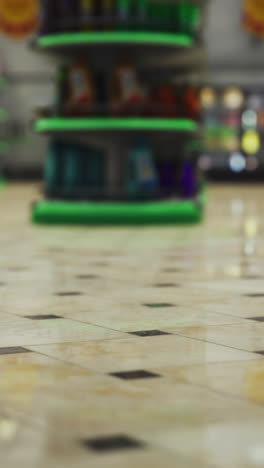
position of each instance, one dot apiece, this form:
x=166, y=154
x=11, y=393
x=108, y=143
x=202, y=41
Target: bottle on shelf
x=188, y=179
x=106, y=13
x=142, y=178
x=61, y=90
x=53, y=167
x=140, y=14
x=72, y=174
x=87, y=14
x=81, y=95
x=66, y=15
x=167, y=176
x=94, y=163
x=123, y=14
x=127, y=96
x=187, y=17
x=47, y=17
x=191, y=103
x=163, y=101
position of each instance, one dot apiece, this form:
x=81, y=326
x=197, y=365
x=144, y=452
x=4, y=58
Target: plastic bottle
x=66, y=15
x=124, y=11
x=188, y=180
x=47, y=12
x=53, y=167
x=87, y=14
x=72, y=169
x=142, y=179
x=107, y=14
x=61, y=90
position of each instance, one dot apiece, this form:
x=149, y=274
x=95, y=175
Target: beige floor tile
x=22, y=332
x=244, y=379
x=138, y=353
x=133, y=318
x=206, y=408
x=246, y=336
x=220, y=445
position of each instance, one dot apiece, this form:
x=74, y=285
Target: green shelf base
x=109, y=124
x=95, y=213
x=114, y=37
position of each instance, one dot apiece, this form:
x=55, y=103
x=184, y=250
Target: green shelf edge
x=133, y=214
x=109, y=124
x=116, y=37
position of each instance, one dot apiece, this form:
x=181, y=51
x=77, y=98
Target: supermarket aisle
x=123, y=347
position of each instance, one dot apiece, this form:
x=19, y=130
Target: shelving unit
x=172, y=210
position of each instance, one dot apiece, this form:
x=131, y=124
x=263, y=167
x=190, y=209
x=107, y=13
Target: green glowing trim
x=115, y=37
x=93, y=213
x=108, y=124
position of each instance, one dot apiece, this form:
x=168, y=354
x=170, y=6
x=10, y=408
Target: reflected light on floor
x=250, y=227
x=8, y=429
x=237, y=207
x=249, y=248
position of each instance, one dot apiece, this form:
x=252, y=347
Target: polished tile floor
x=126, y=347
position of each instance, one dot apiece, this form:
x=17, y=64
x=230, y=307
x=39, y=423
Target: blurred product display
x=81, y=93
x=58, y=16
x=141, y=166
x=233, y=132
x=4, y=144
x=77, y=171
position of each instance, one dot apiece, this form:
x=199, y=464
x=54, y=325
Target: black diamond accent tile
x=159, y=305
x=86, y=277
x=145, y=333
x=69, y=293
x=112, y=443
x=14, y=350
x=43, y=317
x=134, y=375
x=256, y=319
x=166, y=285
x=255, y=295
x=259, y=352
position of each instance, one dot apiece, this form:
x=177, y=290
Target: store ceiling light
x=237, y=162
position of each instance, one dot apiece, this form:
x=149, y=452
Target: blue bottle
x=72, y=170
x=53, y=168
x=142, y=180
x=188, y=182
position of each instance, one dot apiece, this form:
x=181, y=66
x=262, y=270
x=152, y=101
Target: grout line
x=216, y=344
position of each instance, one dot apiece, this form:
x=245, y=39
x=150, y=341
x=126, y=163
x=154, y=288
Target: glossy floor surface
x=126, y=347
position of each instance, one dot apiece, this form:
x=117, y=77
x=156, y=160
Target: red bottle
x=191, y=103
x=163, y=101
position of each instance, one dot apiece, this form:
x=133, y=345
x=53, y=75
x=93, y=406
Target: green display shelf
x=114, y=37
x=52, y=125
x=95, y=213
